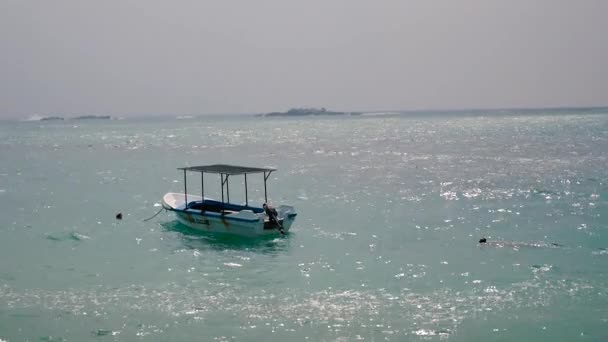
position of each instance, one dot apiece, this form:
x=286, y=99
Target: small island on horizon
x=51, y=118
x=308, y=112
x=92, y=117
x=82, y=117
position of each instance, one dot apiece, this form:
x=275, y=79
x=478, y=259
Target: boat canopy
x=226, y=169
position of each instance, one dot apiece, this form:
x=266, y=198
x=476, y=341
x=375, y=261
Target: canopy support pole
x=203, y=186
x=265, y=191
x=222, y=183
x=185, y=191
x=225, y=181
x=246, y=201
x=228, y=188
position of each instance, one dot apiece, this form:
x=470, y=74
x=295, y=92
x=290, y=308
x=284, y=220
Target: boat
x=222, y=216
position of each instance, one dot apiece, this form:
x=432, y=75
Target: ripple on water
x=50, y=339
x=67, y=236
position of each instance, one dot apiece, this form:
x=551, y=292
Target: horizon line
x=395, y=111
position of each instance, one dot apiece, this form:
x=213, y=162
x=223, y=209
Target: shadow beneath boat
x=196, y=239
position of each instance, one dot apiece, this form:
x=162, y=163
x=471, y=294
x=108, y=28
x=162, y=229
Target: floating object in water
x=119, y=216
x=516, y=245
x=206, y=214
x=101, y=332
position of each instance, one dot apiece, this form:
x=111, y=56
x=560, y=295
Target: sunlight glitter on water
x=385, y=245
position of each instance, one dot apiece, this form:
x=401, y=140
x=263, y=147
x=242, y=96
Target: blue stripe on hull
x=210, y=214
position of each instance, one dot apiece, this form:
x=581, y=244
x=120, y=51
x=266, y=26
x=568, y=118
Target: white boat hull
x=248, y=221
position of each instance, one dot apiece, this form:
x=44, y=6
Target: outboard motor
x=273, y=217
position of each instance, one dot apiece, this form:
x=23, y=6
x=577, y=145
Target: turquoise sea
x=384, y=248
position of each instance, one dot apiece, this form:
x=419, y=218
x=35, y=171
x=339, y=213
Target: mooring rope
x=149, y=218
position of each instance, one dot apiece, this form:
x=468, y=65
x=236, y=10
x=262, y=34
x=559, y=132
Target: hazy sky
x=138, y=57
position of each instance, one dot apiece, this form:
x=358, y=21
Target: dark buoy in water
x=483, y=240
x=119, y=216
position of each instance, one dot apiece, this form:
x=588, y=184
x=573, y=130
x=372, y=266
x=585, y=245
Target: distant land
x=83, y=117
x=94, y=117
x=321, y=112
x=51, y=118
x=308, y=112
x=473, y=112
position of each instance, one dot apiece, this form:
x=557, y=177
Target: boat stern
x=287, y=214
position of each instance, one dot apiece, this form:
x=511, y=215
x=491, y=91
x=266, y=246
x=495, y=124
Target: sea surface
x=384, y=248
